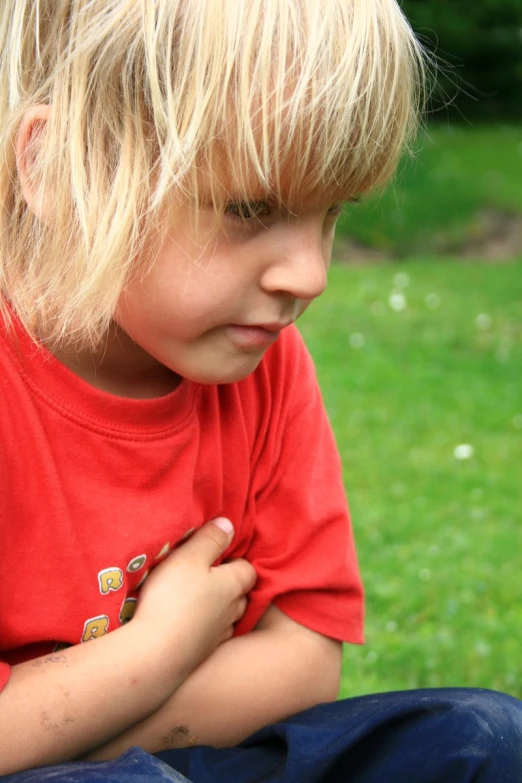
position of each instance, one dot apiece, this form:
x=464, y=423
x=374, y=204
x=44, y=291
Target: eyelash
x=247, y=211
x=336, y=209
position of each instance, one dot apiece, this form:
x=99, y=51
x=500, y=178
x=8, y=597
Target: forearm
x=63, y=706
x=247, y=683
x=58, y=707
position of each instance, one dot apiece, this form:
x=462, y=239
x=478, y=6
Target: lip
x=254, y=336
x=273, y=326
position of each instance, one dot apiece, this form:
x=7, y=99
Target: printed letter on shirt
x=127, y=610
x=110, y=579
x=136, y=563
x=96, y=627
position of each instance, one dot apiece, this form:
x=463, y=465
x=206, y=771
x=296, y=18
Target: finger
x=210, y=541
x=228, y=634
x=243, y=573
x=241, y=608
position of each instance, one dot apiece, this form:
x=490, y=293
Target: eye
x=247, y=210
x=335, y=210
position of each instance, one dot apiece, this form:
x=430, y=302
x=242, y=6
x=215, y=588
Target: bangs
x=156, y=102
x=288, y=98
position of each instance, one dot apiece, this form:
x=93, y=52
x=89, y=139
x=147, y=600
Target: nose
x=299, y=263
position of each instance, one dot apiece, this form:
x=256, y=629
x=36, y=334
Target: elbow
x=309, y=663
x=327, y=672
x=331, y=686
x=320, y=676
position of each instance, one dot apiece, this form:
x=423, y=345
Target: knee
x=489, y=721
x=491, y=710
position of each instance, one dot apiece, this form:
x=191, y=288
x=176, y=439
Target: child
x=178, y=565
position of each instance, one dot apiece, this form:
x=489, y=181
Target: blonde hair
x=145, y=95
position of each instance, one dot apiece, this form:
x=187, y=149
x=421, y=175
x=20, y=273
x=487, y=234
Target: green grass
x=439, y=539
x=433, y=205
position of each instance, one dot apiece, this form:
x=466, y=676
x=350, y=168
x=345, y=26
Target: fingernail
x=225, y=525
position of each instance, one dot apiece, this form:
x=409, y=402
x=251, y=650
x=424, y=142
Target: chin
x=226, y=373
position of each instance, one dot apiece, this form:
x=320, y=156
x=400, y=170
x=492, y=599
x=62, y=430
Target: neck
x=120, y=367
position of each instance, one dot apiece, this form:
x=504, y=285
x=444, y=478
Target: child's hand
x=187, y=607
x=193, y=602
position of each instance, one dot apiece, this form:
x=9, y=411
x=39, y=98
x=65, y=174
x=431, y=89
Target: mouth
x=255, y=337
x=273, y=326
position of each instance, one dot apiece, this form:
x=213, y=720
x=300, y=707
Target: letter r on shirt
x=95, y=627
x=110, y=579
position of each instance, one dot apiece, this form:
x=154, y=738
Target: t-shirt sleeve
x=302, y=545
x=5, y=671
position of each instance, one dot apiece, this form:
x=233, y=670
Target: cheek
x=144, y=304
x=327, y=248
x=188, y=288
x=183, y=306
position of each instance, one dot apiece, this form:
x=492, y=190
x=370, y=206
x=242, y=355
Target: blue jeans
x=423, y=736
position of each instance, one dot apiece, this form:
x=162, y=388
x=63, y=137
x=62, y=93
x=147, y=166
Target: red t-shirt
x=95, y=490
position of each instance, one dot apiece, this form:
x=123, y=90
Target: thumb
x=211, y=540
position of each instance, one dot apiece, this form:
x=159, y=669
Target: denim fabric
x=425, y=736
x=134, y=766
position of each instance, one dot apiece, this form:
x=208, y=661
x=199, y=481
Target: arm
x=60, y=706
x=278, y=669
x=56, y=707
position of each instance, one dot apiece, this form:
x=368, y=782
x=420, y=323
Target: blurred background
x=462, y=194
x=418, y=345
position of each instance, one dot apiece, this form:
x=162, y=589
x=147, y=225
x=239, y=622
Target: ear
x=28, y=147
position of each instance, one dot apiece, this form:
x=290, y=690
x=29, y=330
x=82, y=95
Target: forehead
x=310, y=111
x=290, y=183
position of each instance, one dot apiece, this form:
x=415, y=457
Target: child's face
x=213, y=303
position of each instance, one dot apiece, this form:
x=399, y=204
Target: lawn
x=416, y=360
x=436, y=203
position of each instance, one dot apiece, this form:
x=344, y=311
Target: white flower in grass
x=483, y=321
x=464, y=451
x=452, y=607
x=357, y=340
x=483, y=648
x=401, y=280
x=503, y=354
x=432, y=301
x=397, y=301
